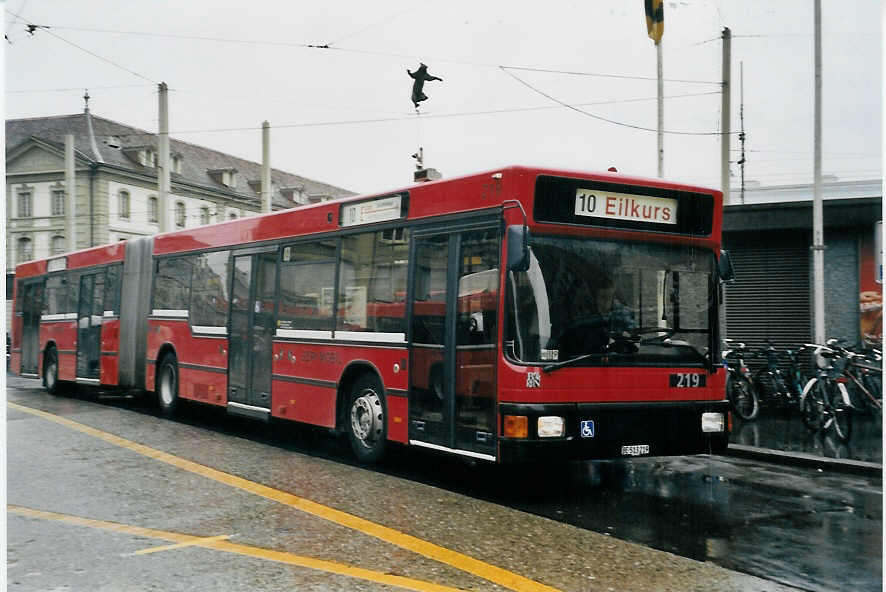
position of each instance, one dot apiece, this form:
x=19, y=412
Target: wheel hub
x=50, y=375
x=366, y=417
x=166, y=387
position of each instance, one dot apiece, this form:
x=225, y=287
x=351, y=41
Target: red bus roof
x=112, y=253
x=446, y=196
x=478, y=191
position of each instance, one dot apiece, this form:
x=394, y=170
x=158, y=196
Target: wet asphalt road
x=798, y=527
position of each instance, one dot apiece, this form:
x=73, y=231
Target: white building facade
x=115, y=193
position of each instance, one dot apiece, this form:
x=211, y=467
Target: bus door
x=30, y=295
x=253, y=299
x=90, y=309
x=452, y=400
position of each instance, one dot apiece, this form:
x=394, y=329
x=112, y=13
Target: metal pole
x=163, y=160
x=265, y=167
x=660, y=113
x=725, y=115
x=817, y=211
x=741, y=136
x=70, y=194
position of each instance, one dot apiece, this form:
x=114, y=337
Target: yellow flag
x=654, y=19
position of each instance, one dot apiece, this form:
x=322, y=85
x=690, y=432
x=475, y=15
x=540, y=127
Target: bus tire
x=367, y=419
x=50, y=371
x=167, y=385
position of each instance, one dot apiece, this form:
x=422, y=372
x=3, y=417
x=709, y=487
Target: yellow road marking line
x=218, y=544
x=202, y=542
x=498, y=575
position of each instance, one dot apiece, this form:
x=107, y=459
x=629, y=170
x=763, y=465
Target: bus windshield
x=594, y=302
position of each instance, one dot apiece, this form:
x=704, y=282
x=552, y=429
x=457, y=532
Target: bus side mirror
x=518, y=248
x=724, y=268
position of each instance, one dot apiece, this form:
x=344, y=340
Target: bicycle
x=797, y=377
x=739, y=387
x=825, y=401
x=861, y=371
x=772, y=384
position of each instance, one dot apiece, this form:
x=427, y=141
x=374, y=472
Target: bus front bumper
x=616, y=430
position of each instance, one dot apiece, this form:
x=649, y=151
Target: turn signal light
x=516, y=426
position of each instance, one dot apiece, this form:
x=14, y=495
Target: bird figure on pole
x=419, y=77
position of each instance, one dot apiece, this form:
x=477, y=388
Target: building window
x=123, y=204
x=24, y=204
x=204, y=215
x=25, y=249
x=147, y=158
x=177, y=164
x=58, y=202
x=180, y=214
x=152, y=209
x=58, y=245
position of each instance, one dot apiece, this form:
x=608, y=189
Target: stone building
x=116, y=186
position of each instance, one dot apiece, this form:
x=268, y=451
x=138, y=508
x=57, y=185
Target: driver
x=595, y=316
x=617, y=317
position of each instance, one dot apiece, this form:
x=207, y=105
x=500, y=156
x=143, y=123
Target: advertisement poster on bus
x=870, y=286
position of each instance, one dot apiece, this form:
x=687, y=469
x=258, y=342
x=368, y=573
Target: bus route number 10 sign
x=623, y=206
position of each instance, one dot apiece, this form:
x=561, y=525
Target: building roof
x=831, y=188
x=115, y=144
x=797, y=215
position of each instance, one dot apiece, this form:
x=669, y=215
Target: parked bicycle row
x=825, y=383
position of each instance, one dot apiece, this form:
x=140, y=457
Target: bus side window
x=307, y=281
x=72, y=302
x=172, y=284
x=55, y=300
x=372, y=282
x=113, y=283
x=209, y=290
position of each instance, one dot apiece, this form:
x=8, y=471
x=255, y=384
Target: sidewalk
x=777, y=436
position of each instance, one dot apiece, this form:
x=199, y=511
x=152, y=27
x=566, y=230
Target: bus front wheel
x=367, y=428
x=167, y=385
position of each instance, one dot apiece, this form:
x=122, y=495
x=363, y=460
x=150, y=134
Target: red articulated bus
x=518, y=314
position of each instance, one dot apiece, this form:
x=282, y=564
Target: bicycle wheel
x=841, y=412
x=743, y=397
x=812, y=407
x=874, y=386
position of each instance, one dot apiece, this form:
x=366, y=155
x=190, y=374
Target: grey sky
x=219, y=85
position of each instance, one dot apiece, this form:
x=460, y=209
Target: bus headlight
x=550, y=426
x=713, y=422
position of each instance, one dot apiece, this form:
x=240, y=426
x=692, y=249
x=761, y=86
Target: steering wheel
x=583, y=334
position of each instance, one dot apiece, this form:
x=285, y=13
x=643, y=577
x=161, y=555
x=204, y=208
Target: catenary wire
x=331, y=47
x=605, y=119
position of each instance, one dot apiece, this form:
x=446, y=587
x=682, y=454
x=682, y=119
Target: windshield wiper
x=635, y=334
x=667, y=342
x=575, y=360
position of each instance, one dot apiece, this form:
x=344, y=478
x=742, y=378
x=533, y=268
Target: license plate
x=687, y=380
x=635, y=450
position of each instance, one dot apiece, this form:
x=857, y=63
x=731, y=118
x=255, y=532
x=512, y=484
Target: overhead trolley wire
x=331, y=47
x=45, y=28
x=408, y=117
x=606, y=119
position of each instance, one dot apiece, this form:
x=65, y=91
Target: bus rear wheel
x=367, y=427
x=50, y=372
x=167, y=385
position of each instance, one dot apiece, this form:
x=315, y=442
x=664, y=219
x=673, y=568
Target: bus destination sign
x=623, y=206
x=376, y=210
